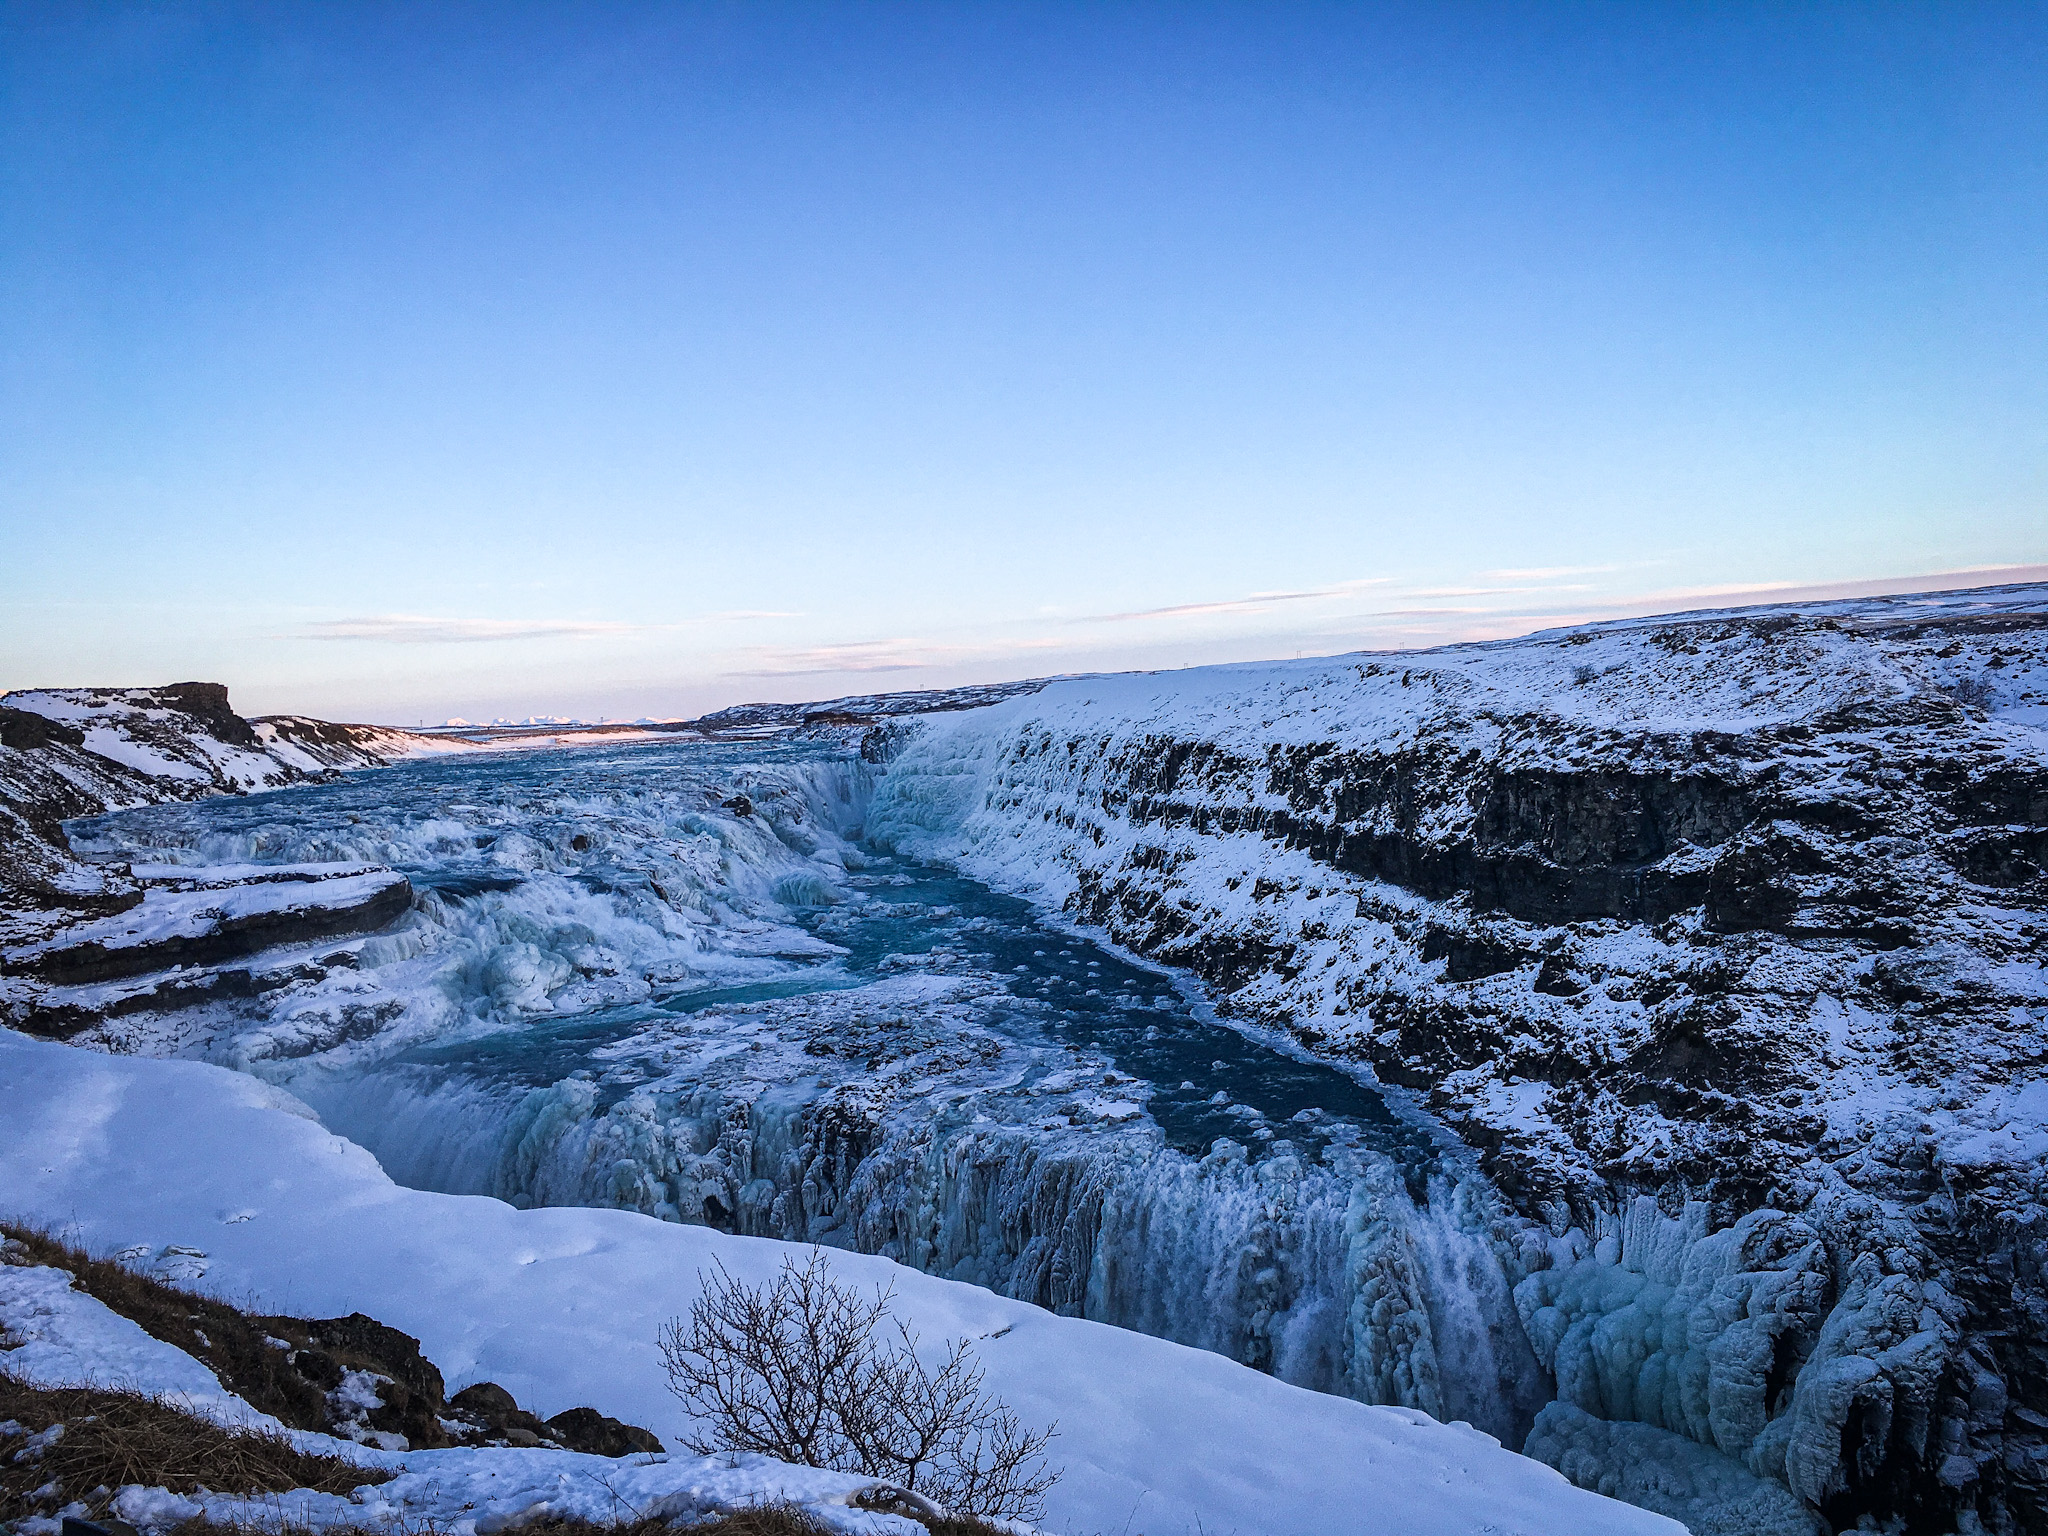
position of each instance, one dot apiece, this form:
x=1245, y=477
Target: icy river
x=701, y=982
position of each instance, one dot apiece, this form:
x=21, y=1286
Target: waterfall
x=1324, y=1271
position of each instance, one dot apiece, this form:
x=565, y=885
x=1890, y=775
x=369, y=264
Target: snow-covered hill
x=866, y=710
x=1743, y=912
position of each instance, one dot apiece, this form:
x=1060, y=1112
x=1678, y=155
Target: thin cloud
x=900, y=655
x=1546, y=572
x=1258, y=602
x=1490, y=591
x=418, y=629
x=421, y=629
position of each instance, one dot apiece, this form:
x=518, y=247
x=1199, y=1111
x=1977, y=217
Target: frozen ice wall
x=902, y=1119
x=1745, y=1342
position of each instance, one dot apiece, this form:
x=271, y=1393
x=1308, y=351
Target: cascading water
x=672, y=979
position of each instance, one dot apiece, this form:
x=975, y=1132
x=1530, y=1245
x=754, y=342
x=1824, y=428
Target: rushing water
x=674, y=978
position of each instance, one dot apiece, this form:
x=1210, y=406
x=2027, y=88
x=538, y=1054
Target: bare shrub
x=807, y=1370
x=1972, y=692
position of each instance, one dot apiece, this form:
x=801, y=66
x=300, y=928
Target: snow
x=167, y=914
x=112, y=744
x=514, y=919
x=1034, y=796
x=562, y=1306
x=57, y=1337
x=478, y=1492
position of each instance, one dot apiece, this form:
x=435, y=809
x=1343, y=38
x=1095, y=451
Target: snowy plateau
x=1622, y=1045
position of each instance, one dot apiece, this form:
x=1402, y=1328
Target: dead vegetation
x=110, y=1438
x=929, y=1429
x=756, y=1520
x=759, y=1520
x=233, y=1345
x=804, y=1370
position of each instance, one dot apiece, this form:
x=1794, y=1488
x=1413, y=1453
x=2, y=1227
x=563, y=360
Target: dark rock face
x=585, y=1429
x=497, y=1415
x=331, y=1365
x=1752, y=915
x=25, y=732
x=207, y=703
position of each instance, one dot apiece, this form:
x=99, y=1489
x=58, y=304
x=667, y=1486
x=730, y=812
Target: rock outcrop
x=183, y=923
x=67, y=753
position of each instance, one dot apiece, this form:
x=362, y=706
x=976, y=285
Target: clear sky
x=400, y=361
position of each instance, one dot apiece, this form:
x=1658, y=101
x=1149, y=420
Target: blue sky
x=393, y=362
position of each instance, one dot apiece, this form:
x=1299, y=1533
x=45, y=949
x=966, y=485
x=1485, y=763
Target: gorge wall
x=1719, y=936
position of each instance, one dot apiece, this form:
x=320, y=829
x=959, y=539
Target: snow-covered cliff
x=1720, y=935
x=68, y=752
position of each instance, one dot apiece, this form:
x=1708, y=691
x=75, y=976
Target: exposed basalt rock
x=208, y=704
x=1744, y=915
x=26, y=732
x=585, y=1429
x=194, y=929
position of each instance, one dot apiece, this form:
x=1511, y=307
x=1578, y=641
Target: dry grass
x=111, y=1438
x=230, y=1343
x=762, y=1520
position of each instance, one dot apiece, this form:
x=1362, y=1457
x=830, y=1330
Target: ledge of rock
x=183, y=921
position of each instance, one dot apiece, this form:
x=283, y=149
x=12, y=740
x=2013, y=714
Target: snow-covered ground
x=175, y=734
x=562, y=1306
x=69, y=752
x=53, y=1336
x=1741, y=908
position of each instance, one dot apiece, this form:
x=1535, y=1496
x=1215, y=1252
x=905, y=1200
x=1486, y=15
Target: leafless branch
x=800, y=1370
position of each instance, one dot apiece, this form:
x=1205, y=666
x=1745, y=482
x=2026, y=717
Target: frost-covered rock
x=1714, y=1495
x=70, y=752
x=219, y=919
x=1696, y=1334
